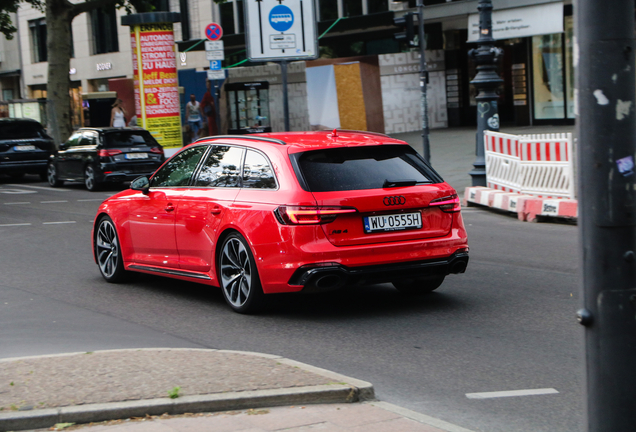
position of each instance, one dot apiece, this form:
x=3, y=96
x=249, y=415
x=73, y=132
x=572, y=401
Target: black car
x=99, y=155
x=25, y=148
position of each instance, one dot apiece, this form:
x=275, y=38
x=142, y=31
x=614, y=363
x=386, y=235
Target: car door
x=64, y=157
x=205, y=204
x=152, y=215
x=79, y=153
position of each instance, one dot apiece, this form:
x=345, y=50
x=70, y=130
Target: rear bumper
x=326, y=276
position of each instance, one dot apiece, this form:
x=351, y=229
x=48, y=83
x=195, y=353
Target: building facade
x=535, y=36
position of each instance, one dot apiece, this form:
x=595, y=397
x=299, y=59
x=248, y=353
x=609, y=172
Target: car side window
x=89, y=138
x=178, y=170
x=257, y=172
x=73, y=141
x=221, y=168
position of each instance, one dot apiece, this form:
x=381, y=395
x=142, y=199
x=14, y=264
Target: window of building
x=184, y=9
x=378, y=6
x=7, y=94
x=547, y=59
x=104, y=25
x=351, y=7
x=37, y=28
x=226, y=11
x=161, y=5
x=328, y=10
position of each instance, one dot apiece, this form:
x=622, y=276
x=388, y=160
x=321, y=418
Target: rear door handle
x=169, y=207
x=216, y=210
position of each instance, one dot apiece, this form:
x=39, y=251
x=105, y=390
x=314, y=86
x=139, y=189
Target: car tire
x=89, y=179
x=419, y=285
x=52, y=177
x=238, y=275
x=108, y=251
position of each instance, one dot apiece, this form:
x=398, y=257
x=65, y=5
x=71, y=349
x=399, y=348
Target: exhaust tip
x=330, y=281
x=458, y=267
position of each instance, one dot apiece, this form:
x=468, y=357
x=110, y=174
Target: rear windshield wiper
x=390, y=183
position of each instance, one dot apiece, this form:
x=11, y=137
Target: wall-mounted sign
x=104, y=66
x=521, y=22
x=213, y=32
x=277, y=31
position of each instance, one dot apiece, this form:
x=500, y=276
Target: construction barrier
x=537, y=165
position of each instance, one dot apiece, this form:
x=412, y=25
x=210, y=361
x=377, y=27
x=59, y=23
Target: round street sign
x=281, y=18
x=213, y=31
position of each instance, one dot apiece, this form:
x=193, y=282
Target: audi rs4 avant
x=286, y=212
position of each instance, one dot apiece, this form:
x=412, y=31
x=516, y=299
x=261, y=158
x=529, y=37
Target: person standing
x=209, y=110
x=193, y=109
x=118, y=115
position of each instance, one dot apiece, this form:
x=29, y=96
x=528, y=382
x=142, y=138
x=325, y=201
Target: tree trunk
x=59, y=43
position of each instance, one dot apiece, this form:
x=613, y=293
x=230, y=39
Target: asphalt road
x=507, y=324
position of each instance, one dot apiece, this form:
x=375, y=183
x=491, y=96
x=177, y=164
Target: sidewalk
x=191, y=390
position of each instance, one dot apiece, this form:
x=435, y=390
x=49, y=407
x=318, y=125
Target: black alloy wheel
x=240, y=283
x=108, y=251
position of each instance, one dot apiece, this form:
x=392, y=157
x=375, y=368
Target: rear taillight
x=156, y=150
x=108, y=153
x=307, y=215
x=447, y=204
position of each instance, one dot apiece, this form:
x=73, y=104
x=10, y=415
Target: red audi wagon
x=286, y=212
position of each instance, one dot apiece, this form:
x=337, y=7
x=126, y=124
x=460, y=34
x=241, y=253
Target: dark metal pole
x=606, y=129
x=283, y=71
x=486, y=82
x=423, y=80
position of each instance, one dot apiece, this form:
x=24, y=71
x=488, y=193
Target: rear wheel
x=238, y=275
x=52, y=176
x=89, y=179
x=419, y=285
x=108, y=251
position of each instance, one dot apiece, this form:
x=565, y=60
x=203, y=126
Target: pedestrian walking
x=118, y=114
x=193, y=109
x=209, y=109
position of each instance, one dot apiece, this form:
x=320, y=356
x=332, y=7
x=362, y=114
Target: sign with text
x=156, y=86
x=276, y=31
x=521, y=22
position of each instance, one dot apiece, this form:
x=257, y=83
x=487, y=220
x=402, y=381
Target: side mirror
x=141, y=184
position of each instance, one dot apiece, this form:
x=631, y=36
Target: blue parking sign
x=215, y=64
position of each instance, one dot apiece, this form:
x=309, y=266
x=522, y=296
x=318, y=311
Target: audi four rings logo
x=394, y=200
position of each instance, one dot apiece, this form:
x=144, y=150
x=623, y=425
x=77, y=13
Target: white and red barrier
x=538, y=165
x=531, y=175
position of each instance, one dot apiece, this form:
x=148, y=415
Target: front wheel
x=419, y=285
x=89, y=179
x=108, y=251
x=238, y=275
x=52, y=176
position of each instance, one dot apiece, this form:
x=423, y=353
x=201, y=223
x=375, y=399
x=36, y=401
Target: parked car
x=25, y=147
x=286, y=212
x=99, y=155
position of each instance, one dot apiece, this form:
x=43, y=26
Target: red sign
x=213, y=32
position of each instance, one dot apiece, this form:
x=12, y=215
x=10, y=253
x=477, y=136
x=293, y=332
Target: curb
x=347, y=390
x=527, y=207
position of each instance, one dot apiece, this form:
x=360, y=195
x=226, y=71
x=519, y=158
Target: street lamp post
x=486, y=82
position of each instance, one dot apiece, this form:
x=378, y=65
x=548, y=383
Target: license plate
x=136, y=155
x=394, y=222
x=24, y=148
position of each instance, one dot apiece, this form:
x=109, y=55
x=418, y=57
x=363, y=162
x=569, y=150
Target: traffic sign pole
x=283, y=71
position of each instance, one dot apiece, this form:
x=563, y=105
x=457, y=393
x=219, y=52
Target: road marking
x=52, y=202
x=90, y=199
x=17, y=203
x=40, y=187
x=511, y=393
x=57, y=223
x=17, y=224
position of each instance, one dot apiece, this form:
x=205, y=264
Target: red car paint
x=179, y=228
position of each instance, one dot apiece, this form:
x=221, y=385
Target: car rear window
x=356, y=168
x=129, y=139
x=21, y=130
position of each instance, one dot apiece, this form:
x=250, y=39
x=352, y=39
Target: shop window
x=37, y=29
x=104, y=26
x=351, y=7
x=547, y=58
x=377, y=6
x=569, y=66
x=328, y=10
